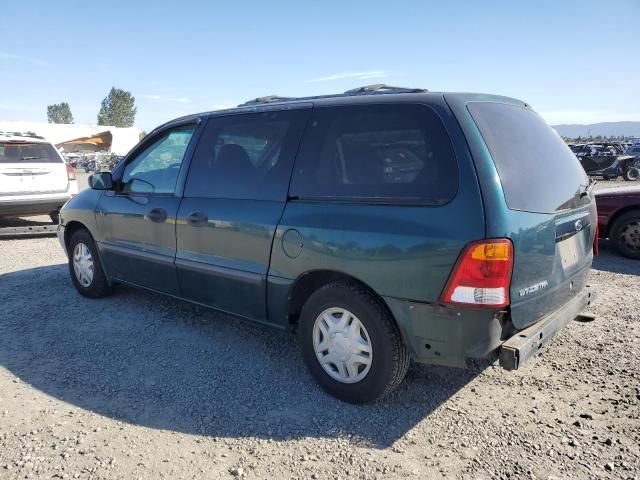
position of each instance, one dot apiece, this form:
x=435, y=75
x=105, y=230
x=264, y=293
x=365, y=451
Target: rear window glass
x=28, y=153
x=376, y=152
x=538, y=171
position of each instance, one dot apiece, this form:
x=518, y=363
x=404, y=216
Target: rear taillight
x=482, y=275
x=71, y=173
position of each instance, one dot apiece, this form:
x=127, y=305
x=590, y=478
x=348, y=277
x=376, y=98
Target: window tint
x=28, y=153
x=155, y=169
x=246, y=156
x=376, y=152
x=538, y=172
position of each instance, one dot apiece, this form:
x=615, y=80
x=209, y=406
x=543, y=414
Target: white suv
x=34, y=179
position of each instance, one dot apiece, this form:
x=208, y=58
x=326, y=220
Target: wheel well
x=70, y=229
x=309, y=282
x=617, y=215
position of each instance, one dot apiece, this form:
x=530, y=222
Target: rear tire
x=55, y=217
x=632, y=174
x=85, y=267
x=625, y=234
x=371, y=359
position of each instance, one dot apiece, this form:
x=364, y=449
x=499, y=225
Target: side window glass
x=155, y=169
x=376, y=152
x=246, y=156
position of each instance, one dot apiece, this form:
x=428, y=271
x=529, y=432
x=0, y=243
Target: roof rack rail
x=384, y=88
x=22, y=134
x=267, y=99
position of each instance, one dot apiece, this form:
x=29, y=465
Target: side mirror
x=101, y=181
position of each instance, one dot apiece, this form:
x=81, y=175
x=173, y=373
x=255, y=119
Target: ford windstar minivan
x=384, y=224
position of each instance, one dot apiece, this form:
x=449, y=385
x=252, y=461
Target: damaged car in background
x=607, y=160
x=619, y=219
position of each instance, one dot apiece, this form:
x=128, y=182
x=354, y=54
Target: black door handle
x=157, y=215
x=196, y=219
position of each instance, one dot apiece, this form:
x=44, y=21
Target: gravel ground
x=141, y=386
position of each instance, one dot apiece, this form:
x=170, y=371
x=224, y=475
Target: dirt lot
x=142, y=386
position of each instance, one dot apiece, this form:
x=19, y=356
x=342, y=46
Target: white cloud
x=166, y=99
x=353, y=75
x=558, y=117
x=12, y=57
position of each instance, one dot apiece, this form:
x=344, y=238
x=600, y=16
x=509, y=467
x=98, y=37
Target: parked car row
x=37, y=179
x=92, y=161
x=609, y=160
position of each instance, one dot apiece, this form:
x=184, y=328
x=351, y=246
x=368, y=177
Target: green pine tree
x=118, y=109
x=59, y=113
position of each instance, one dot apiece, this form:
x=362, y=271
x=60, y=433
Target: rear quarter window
x=538, y=171
x=376, y=153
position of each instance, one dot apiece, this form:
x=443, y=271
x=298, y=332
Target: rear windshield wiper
x=586, y=189
x=32, y=158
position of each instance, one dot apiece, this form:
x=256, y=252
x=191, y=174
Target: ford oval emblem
x=578, y=225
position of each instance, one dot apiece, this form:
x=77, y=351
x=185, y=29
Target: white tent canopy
x=123, y=139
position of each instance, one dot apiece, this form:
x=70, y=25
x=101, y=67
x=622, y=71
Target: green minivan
x=384, y=224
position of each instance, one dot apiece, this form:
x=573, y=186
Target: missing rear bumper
x=515, y=351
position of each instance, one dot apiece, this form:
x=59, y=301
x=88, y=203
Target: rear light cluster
x=482, y=275
x=71, y=173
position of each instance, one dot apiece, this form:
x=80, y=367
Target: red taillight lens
x=71, y=173
x=482, y=275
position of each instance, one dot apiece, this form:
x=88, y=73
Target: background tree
x=59, y=113
x=118, y=109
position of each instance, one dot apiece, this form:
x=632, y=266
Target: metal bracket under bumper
x=33, y=230
x=515, y=351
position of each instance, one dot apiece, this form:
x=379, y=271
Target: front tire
x=351, y=343
x=625, y=234
x=85, y=267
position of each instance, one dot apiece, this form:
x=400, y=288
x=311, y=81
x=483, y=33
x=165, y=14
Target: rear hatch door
x=31, y=168
x=550, y=210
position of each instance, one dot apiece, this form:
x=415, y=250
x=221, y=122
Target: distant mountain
x=604, y=129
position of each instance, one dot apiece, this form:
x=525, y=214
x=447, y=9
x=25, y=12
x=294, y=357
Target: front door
x=234, y=196
x=137, y=220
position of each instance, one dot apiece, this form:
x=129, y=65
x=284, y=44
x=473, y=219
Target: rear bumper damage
x=515, y=351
